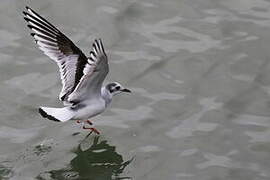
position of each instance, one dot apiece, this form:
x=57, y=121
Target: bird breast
x=90, y=109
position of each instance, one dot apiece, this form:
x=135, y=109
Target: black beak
x=126, y=90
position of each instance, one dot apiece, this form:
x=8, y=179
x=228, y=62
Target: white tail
x=56, y=114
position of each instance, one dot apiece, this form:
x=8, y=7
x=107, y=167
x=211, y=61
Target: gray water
x=200, y=76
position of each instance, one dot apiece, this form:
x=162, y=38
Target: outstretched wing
x=94, y=74
x=69, y=58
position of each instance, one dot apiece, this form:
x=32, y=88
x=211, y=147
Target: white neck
x=106, y=95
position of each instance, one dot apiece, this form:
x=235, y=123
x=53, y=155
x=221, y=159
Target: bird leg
x=89, y=122
x=85, y=121
x=92, y=129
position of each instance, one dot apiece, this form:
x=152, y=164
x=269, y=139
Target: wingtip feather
x=24, y=13
x=26, y=19
x=30, y=26
x=28, y=8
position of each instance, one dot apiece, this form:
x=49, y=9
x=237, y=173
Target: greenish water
x=200, y=76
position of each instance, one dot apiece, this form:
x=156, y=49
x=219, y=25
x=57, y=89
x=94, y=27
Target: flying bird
x=83, y=93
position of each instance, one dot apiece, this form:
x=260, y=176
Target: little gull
x=82, y=77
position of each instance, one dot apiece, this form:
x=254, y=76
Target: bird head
x=116, y=88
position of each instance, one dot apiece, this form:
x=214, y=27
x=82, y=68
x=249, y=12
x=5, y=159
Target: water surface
x=200, y=76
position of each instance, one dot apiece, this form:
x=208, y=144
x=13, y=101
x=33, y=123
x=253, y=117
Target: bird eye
x=117, y=87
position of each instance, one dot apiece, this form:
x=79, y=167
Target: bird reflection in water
x=5, y=172
x=98, y=162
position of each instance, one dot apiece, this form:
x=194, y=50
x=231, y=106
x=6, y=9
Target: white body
x=84, y=110
x=90, y=108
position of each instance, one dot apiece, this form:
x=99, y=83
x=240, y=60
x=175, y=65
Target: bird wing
x=69, y=58
x=94, y=74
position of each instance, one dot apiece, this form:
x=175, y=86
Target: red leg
x=89, y=122
x=92, y=129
